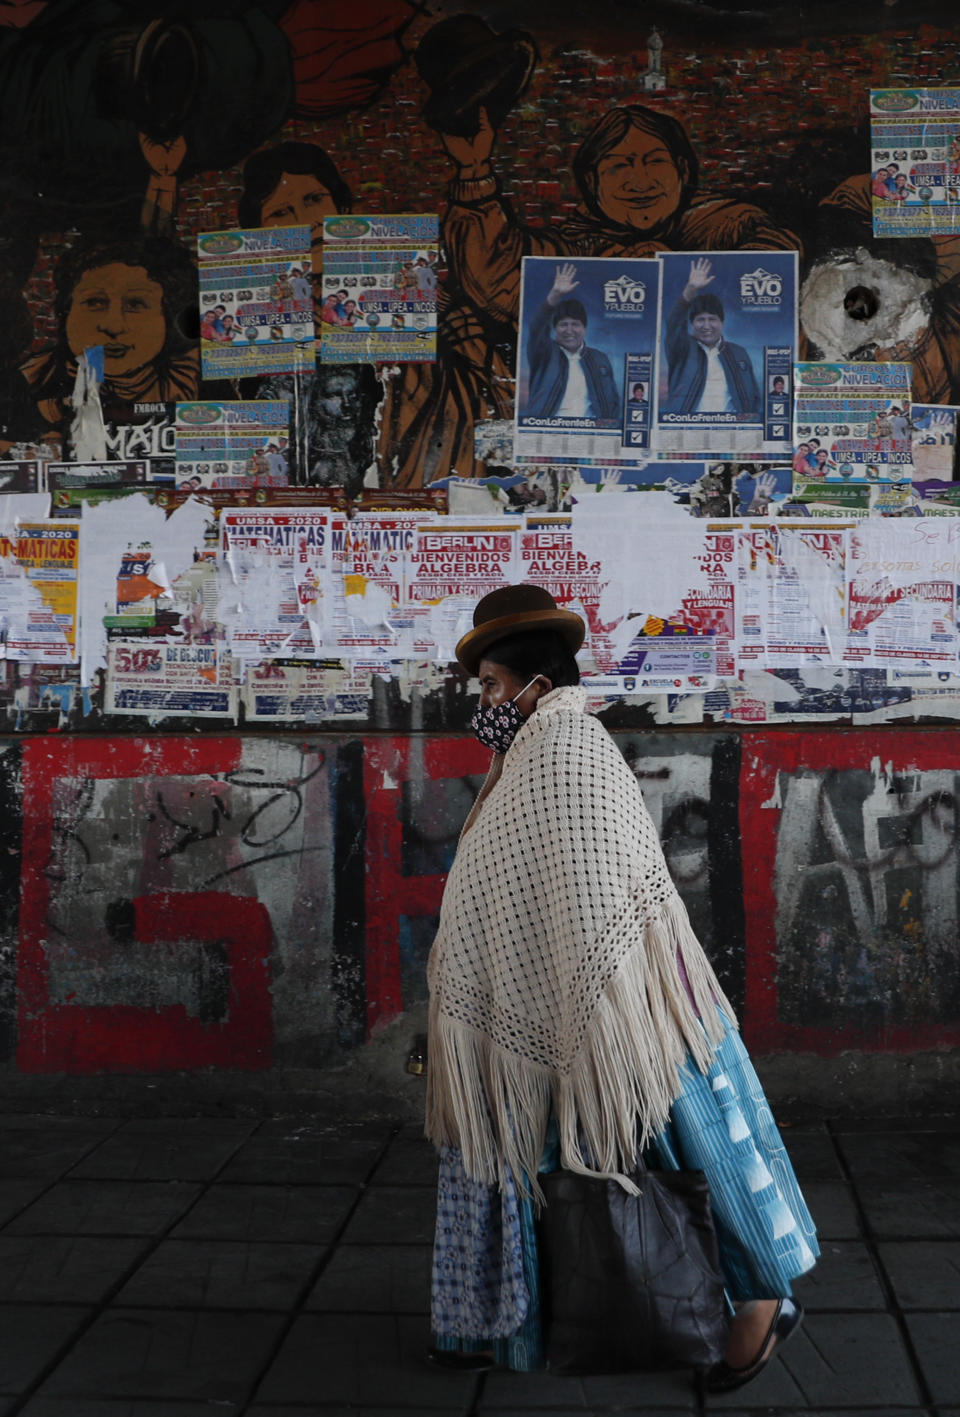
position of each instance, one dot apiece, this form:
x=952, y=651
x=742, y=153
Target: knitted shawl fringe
x=616, y=1096
x=555, y=979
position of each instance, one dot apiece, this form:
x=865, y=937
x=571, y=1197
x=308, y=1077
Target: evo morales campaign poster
x=728, y=332
x=586, y=359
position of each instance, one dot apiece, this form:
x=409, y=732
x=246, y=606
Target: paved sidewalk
x=190, y=1267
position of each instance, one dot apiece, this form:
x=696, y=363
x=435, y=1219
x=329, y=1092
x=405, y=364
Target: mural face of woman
x=121, y=308
x=638, y=183
x=299, y=199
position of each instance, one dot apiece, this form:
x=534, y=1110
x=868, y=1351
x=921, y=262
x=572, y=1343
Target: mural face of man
x=299, y=199
x=121, y=308
x=637, y=181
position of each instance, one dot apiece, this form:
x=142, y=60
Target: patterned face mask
x=497, y=726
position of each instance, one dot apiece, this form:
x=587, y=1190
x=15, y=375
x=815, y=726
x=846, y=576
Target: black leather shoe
x=786, y=1320
x=451, y=1360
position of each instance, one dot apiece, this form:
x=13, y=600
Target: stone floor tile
x=123, y=1407
x=916, y=1122
x=835, y=1361
x=305, y=1156
x=220, y=1274
x=902, y=1156
x=17, y=1195
x=105, y=1208
x=358, y=1129
x=318, y=1410
x=30, y=1337
x=912, y=1210
x=364, y=1360
x=315, y=1410
x=532, y=1392
x=308, y=1214
x=833, y=1209
x=653, y=1392
x=925, y=1274
x=813, y=1155
x=394, y=1215
x=156, y=1354
x=169, y=1156
x=410, y=1160
x=484, y=1410
x=348, y=1410
x=935, y=1342
x=375, y=1279
x=844, y=1278
x=44, y=1154
x=226, y=1128
x=41, y=1122
x=57, y=1269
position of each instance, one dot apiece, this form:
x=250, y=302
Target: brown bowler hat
x=510, y=611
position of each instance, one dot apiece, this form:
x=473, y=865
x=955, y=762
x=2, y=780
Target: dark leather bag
x=630, y=1283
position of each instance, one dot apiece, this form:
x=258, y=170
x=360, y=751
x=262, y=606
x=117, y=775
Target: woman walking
x=575, y=1019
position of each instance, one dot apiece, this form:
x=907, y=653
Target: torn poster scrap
x=146, y=678
x=39, y=573
x=454, y=564
x=139, y=573
x=666, y=617
x=903, y=579
x=272, y=581
x=366, y=611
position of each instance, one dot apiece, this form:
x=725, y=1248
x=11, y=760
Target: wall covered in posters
x=288, y=291
x=305, y=260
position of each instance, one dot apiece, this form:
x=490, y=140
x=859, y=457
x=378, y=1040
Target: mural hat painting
x=468, y=67
x=512, y=610
x=217, y=76
x=154, y=73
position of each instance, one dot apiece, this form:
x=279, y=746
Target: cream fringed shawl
x=554, y=983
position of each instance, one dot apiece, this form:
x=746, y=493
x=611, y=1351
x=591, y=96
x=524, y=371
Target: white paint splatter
x=902, y=312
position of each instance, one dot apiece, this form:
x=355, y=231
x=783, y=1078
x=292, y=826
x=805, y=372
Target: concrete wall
x=232, y=905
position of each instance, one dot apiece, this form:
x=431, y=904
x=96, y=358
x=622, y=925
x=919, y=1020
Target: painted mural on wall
x=129, y=129
x=206, y=902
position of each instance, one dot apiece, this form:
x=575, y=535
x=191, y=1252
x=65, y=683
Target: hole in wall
x=861, y=303
x=188, y=321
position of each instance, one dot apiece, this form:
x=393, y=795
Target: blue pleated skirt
x=486, y=1291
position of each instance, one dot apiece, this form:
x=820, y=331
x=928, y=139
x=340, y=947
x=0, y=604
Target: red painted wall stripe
x=80, y=1039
